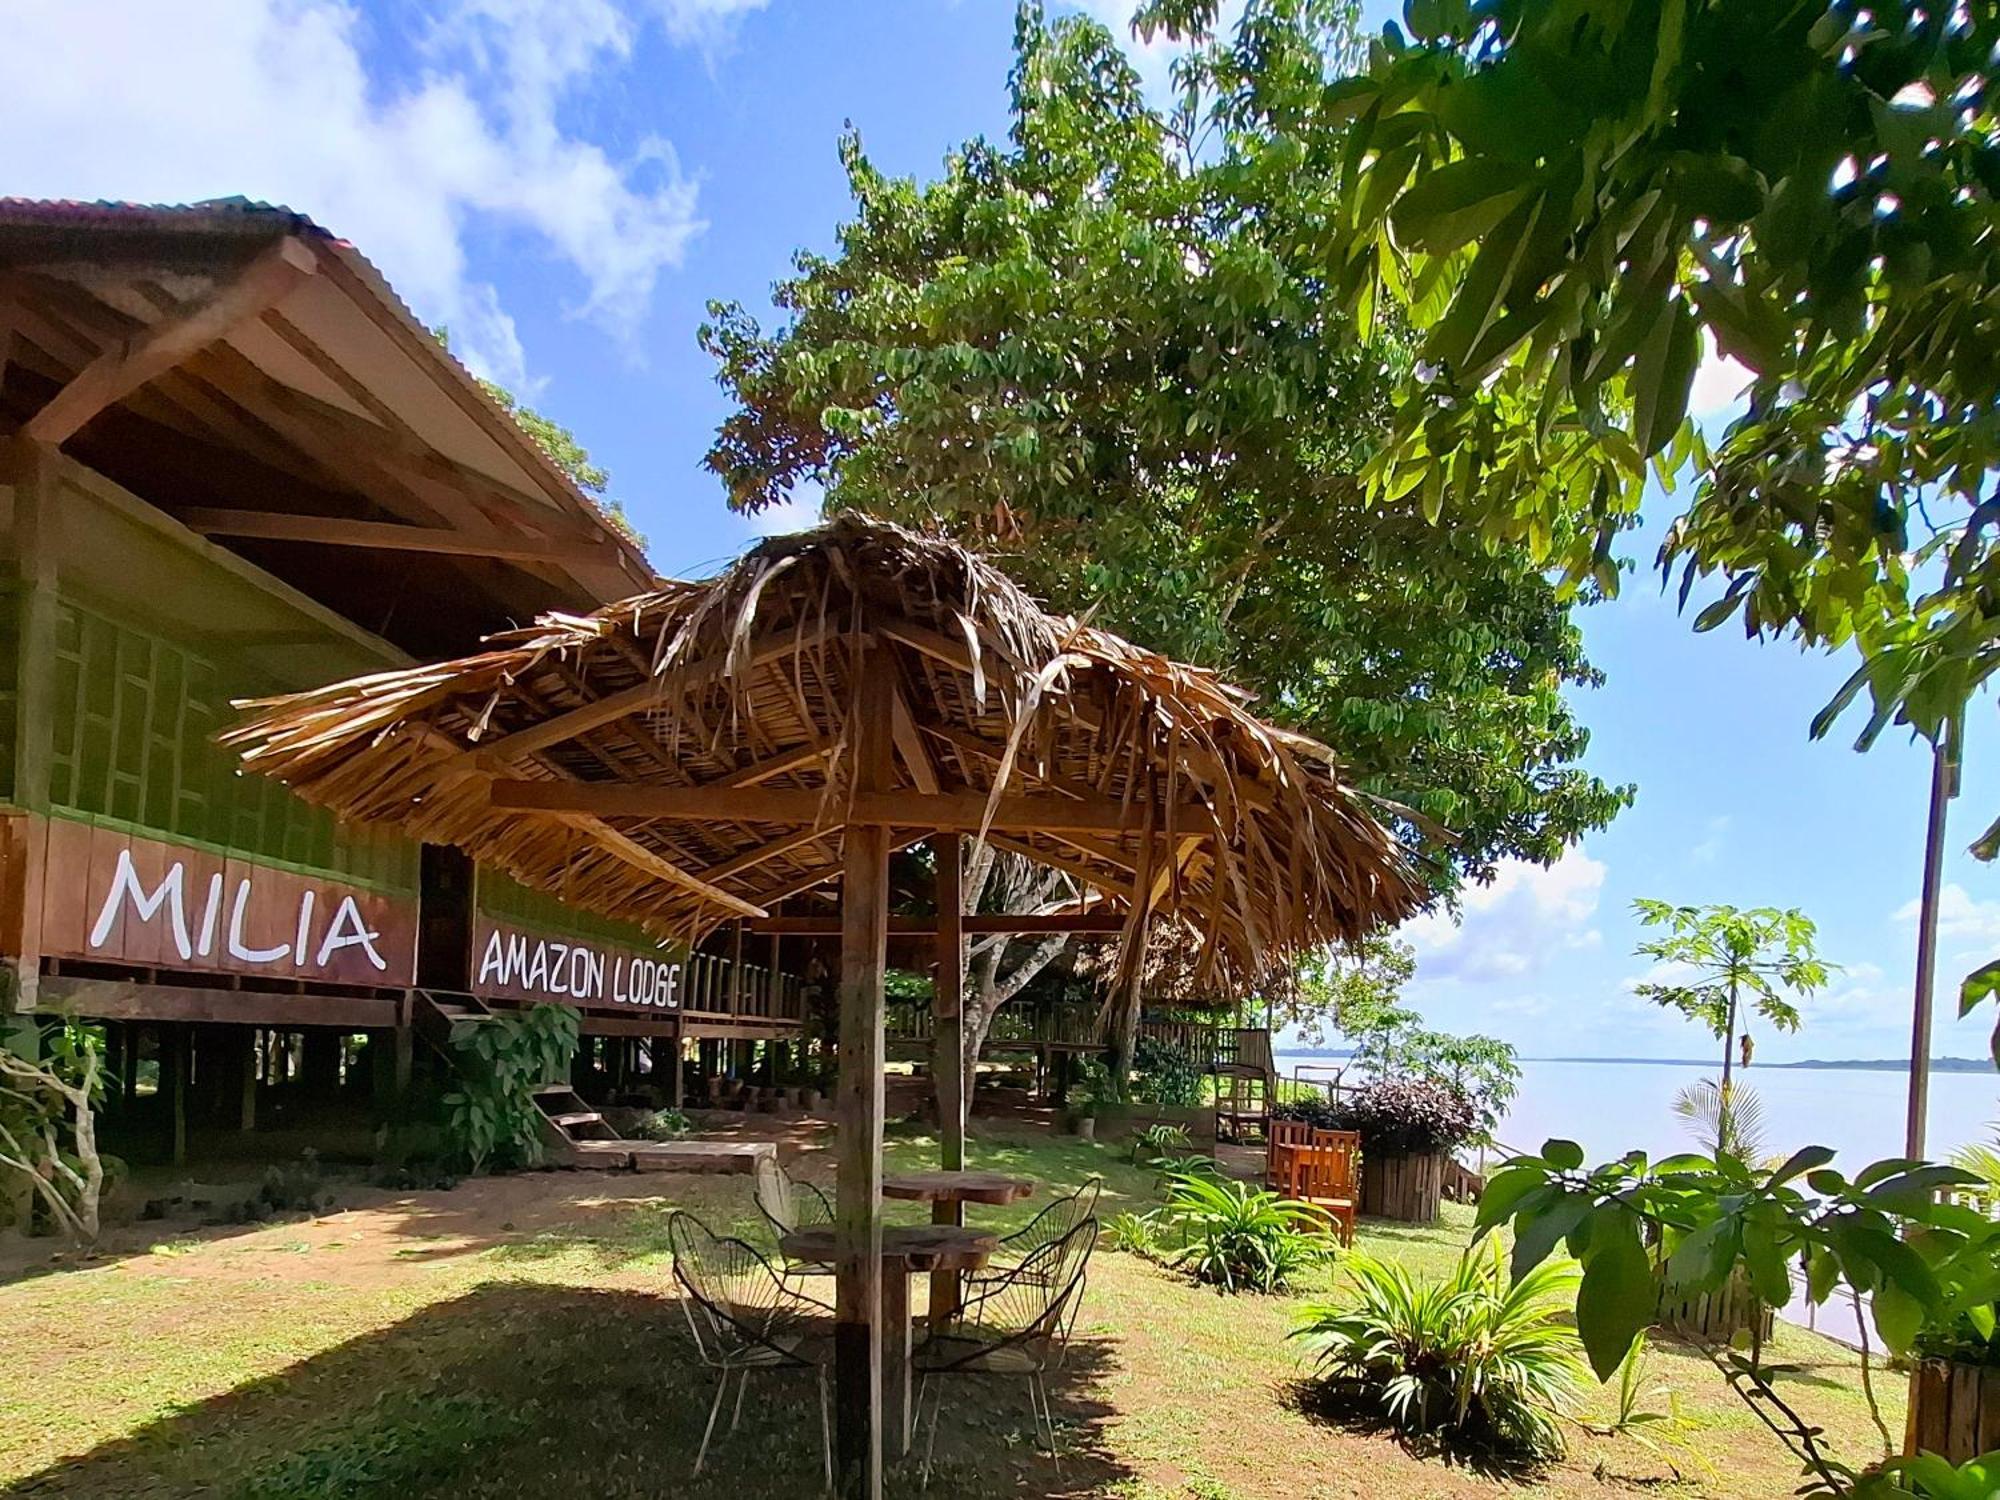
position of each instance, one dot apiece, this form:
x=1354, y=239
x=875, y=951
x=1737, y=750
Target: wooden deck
x=575, y=1135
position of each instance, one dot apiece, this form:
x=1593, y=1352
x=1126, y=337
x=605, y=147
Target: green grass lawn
x=520, y=1336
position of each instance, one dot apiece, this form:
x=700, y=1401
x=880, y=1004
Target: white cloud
x=1513, y=926
x=272, y=99
x=708, y=24
x=1961, y=918
x=800, y=513
x=1705, y=852
x=1719, y=382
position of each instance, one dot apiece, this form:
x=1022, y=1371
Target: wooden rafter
x=901, y=809
x=333, y=531
x=160, y=346
x=637, y=855
x=1025, y=924
x=910, y=746
x=497, y=754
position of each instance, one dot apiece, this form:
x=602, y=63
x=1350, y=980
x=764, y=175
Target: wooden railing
x=712, y=986
x=1074, y=1027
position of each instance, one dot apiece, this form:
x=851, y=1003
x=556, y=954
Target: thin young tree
x=1731, y=957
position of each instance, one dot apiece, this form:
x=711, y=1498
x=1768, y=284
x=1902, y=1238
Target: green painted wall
x=507, y=900
x=155, y=635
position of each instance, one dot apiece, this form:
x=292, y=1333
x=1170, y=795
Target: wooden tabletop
x=916, y=1247
x=958, y=1187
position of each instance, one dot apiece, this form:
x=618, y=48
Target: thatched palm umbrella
x=704, y=751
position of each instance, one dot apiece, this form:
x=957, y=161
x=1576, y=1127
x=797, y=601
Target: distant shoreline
x=1833, y=1065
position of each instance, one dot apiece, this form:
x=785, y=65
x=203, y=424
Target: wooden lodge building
x=233, y=463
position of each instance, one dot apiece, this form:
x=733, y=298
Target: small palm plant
x=1473, y=1356
x=1724, y=1119
x=1237, y=1237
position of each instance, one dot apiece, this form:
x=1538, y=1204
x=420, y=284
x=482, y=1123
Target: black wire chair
x=788, y=1205
x=745, y=1320
x=1011, y=1324
x=1048, y=1226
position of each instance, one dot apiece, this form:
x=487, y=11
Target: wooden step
x=578, y=1117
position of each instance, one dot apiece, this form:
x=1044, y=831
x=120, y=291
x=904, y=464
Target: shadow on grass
x=1328, y=1404
x=519, y=1389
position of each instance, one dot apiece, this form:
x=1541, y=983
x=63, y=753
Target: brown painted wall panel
x=514, y=962
x=124, y=899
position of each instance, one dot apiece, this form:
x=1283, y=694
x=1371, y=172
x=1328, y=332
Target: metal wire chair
x=745, y=1320
x=1048, y=1226
x=788, y=1205
x=1011, y=1324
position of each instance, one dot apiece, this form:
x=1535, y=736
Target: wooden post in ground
x=864, y=935
x=175, y=1039
x=679, y=1056
x=30, y=468
x=948, y=1045
x=245, y=1057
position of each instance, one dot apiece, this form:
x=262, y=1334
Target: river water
x=1610, y=1108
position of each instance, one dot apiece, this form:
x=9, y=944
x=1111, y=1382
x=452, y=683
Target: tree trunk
x=1722, y=1142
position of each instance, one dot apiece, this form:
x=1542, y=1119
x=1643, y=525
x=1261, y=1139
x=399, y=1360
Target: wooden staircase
x=573, y=1134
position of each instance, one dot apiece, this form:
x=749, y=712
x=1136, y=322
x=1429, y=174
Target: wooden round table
x=906, y=1249
x=948, y=1192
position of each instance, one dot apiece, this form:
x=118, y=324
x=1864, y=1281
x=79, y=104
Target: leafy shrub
x=1396, y=1116
x=1091, y=1087
x=1470, y=1355
x=1239, y=1237
x=1134, y=1234
x=1928, y=1477
x=663, y=1125
x=502, y=1060
x=1157, y=1141
x=1167, y=1074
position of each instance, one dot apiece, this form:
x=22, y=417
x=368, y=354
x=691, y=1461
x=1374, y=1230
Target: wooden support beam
x=1020, y=924
x=857, y=1330
x=38, y=526
x=910, y=745
x=133, y=999
x=160, y=346
x=948, y=1010
x=781, y=764
x=392, y=536
x=960, y=811
x=623, y=846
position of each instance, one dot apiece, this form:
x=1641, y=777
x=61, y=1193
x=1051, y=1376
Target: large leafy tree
x=1576, y=201
x=1104, y=349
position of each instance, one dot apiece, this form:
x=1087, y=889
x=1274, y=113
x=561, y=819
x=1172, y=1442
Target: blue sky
x=567, y=182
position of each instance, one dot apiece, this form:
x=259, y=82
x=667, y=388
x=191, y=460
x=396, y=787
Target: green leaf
x=1981, y=985
x=1537, y=1235
x=1564, y=1156
x=1618, y=1297
x=1808, y=1159
x=1506, y=1190
x=1455, y=204
x=1899, y=1317
x=1662, y=377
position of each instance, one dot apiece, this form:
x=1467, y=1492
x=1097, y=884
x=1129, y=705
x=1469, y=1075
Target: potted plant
x=1409, y=1129
x=1087, y=1096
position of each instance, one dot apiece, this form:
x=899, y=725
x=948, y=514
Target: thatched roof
x=687, y=755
